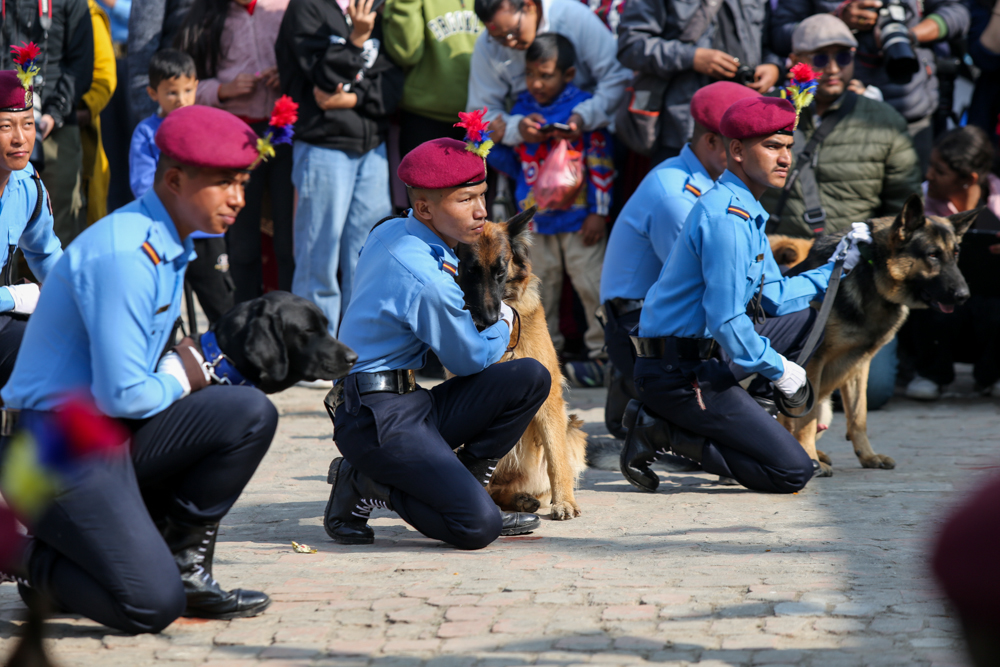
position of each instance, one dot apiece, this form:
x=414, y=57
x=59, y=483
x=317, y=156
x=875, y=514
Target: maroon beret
x=711, y=101
x=207, y=137
x=13, y=97
x=441, y=163
x=757, y=117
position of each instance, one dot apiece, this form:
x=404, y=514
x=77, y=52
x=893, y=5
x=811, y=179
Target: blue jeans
x=882, y=376
x=341, y=197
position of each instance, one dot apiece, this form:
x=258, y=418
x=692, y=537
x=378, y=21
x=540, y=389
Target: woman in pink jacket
x=232, y=43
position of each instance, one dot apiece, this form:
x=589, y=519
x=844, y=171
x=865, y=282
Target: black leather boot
x=352, y=499
x=617, y=401
x=481, y=469
x=650, y=438
x=193, y=547
x=514, y=523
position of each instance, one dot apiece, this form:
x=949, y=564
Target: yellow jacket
x=96, y=172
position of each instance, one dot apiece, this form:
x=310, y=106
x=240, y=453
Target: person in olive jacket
x=333, y=63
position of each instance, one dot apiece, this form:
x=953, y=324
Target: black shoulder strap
x=7, y=277
x=804, y=171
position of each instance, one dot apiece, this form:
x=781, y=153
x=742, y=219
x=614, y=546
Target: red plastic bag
x=559, y=178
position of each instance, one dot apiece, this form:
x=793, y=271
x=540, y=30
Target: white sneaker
x=922, y=389
x=315, y=384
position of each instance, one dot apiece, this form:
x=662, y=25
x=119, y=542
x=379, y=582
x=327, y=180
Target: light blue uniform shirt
x=37, y=241
x=104, y=317
x=406, y=301
x=648, y=225
x=715, y=269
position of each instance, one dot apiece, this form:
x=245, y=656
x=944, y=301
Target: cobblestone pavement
x=698, y=573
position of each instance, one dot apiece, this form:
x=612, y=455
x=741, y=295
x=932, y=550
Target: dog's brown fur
x=547, y=462
x=789, y=251
x=913, y=265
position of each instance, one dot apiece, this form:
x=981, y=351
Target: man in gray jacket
x=689, y=44
x=915, y=99
x=497, y=69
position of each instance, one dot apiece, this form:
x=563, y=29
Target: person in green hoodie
x=432, y=40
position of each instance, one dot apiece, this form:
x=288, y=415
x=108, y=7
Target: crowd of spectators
x=373, y=80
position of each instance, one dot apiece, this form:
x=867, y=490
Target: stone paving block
x=638, y=644
x=584, y=643
x=503, y=599
x=515, y=626
x=897, y=625
x=421, y=614
x=629, y=612
x=453, y=600
x=469, y=613
x=857, y=609
x=463, y=629
x=773, y=657
x=839, y=626
x=355, y=647
x=284, y=652
x=799, y=609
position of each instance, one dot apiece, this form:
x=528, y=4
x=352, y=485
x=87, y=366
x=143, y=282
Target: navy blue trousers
x=11, y=333
x=98, y=551
x=407, y=442
x=743, y=441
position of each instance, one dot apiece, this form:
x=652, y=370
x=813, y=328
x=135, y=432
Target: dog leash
x=806, y=396
x=510, y=350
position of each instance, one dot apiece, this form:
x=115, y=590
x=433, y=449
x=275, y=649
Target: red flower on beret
x=285, y=112
x=25, y=53
x=803, y=73
x=473, y=123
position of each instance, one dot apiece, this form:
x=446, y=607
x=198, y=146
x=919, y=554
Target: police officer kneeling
x=25, y=216
x=720, y=265
x=130, y=544
x=398, y=441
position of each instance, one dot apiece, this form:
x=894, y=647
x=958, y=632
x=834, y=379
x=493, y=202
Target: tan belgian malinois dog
x=545, y=465
x=912, y=263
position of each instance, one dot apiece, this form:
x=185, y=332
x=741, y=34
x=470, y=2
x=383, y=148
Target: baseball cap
x=819, y=31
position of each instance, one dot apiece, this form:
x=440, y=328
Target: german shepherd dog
x=912, y=263
x=546, y=463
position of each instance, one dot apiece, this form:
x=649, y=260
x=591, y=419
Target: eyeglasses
x=843, y=58
x=511, y=36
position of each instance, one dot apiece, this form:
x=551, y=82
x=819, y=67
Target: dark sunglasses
x=843, y=58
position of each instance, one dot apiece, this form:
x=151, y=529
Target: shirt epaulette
x=692, y=189
x=736, y=210
x=450, y=268
x=153, y=255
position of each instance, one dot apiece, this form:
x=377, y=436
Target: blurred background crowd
x=606, y=81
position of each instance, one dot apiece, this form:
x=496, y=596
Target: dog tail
x=603, y=453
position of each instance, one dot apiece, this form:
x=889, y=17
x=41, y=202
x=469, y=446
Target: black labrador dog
x=279, y=339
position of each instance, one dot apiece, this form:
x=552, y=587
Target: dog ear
x=520, y=235
x=265, y=346
x=909, y=220
x=962, y=221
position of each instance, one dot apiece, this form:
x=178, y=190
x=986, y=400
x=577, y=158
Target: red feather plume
x=285, y=112
x=25, y=53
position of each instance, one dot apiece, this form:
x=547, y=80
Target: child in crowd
x=571, y=240
x=172, y=84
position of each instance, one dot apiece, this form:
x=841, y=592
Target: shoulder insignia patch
x=153, y=256
x=693, y=190
x=736, y=210
x=450, y=268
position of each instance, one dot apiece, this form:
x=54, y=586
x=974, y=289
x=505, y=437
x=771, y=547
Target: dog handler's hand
x=793, y=379
x=171, y=364
x=848, y=246
x=507, y=315
x=187, y=365
x=25, y=298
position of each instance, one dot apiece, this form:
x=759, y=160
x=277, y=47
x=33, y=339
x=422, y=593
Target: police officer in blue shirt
x=398, y=441
x=645, y=231
x=130, y=544
x=719, y=274
x=25, y=217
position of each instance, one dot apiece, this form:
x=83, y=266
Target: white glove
x=507, y=315
x=793, y=379
x=25, y=298
x=848, y=246
x=171, y=364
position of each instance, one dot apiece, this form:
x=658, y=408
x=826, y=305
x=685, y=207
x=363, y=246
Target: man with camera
x=894, y=50
x=687, y=44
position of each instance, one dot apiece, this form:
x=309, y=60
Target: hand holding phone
x=552, y=127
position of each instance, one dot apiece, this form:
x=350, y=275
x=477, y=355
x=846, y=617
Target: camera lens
x=900, y=61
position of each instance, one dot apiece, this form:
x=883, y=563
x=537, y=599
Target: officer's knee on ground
x=794, y=477
x=482, y=529
x=149, y=607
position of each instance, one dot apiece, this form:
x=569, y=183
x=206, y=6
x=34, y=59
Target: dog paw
x=565, y=510
x=524, y=502
x=825, y=470
x=878, y=461
x=823, y=458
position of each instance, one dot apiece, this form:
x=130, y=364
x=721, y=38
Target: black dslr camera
x=900, y=60
x=744, y=75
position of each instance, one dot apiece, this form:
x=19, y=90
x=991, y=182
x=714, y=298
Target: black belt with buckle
x=672, y=347
x=622, y=307
x=396, y=382
x=8, y=421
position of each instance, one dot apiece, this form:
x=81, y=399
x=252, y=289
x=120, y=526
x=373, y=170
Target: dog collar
x=218, y=365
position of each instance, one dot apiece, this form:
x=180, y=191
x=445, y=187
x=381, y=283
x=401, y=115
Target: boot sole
x=508, y=532
x=243, y=613
x=331, y=478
